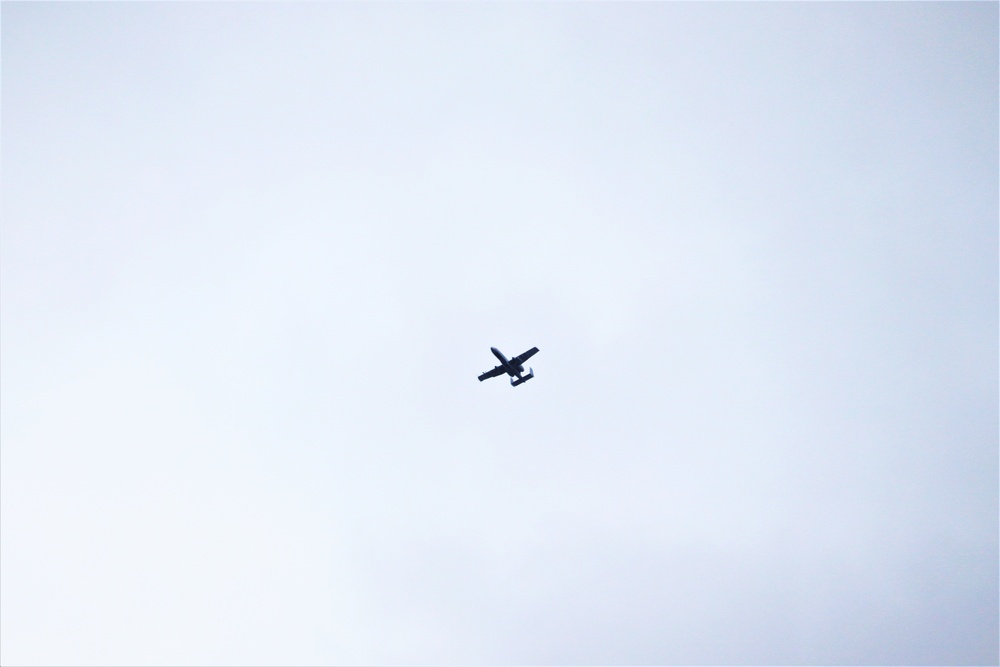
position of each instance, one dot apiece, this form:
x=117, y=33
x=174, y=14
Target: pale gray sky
x=254, y=256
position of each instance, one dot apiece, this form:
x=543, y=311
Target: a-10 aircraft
x=512, y=367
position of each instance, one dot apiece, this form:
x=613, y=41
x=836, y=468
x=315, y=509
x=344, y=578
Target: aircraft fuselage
x=512, y=367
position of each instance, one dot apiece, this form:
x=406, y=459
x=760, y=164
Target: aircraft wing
x=499, y=370
x=524, y=356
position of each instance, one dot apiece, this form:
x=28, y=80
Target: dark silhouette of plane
x=512, y=367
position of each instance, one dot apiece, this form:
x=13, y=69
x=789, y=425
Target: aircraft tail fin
x=515, y=382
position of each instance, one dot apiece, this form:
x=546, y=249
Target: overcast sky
x=255, y=255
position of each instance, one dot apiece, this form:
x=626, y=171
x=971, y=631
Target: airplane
x=512, y=367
